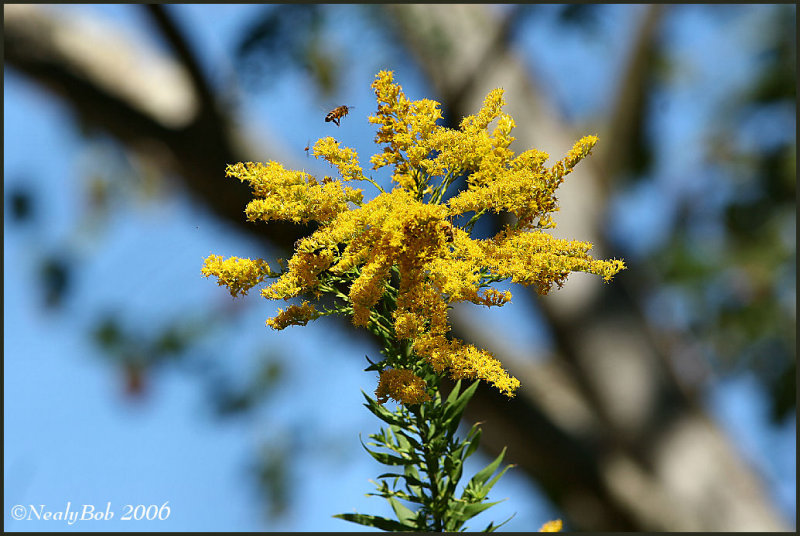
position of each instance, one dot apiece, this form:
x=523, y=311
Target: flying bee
x=308, y=146
x=338, y=113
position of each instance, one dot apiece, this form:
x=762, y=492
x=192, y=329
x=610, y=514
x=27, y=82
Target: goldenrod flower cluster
x=294, y=315
x=397, y=262
x=401, y=385
x=552, y=526
x=239, y=275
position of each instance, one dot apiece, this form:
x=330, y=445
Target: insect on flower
x=338, y=113
x=447, y=230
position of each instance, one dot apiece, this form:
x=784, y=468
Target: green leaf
x=388, y=459
x=398, y=494
x=483, y=475
x=382, y=413
x=453, y=468
x=487, y=487
x=471, y=510
x=414, y=443
x=410, y=479
x=377, y=522
x=403, y=444
x=474, y=441
x=414, y=483
x=454, y=410
x=403, y=513
x=374, y=366
x=451, y=398
x=492, y=527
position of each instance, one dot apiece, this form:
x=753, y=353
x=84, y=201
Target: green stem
x=473, y=220
x=440, y=190
x=431, y=468
x=375, y=184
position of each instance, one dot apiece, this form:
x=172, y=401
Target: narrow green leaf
x=403, y=513
x=414, y=483
x=382, y=413
x=474, y=441
x=410, y=479
x=387, y=459
x=454, y=411
x=492, y=527
x=451, y=398
x=454, y=476
x=374, y=366
x=403, y=444
x=399, y=495
x=471, y=510
x=488, y=486
x=377, y=522
x=483, y=475
x=414, y=443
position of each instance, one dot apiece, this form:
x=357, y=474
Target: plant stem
x=431, y=468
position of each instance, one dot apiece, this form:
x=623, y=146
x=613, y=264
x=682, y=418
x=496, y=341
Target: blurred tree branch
x=143, y=99
x=606, y=427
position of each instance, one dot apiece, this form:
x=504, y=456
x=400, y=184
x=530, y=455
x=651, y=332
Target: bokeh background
x=665, y=400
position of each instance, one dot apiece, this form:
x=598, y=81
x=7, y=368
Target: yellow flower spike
x=239, y=275
x=402, y=386
x=468, y=362
x=294, y=315
x=345, y=159
x=407, y=129
x=492, y=105
x=302, y=275
x=579, y=151
x=538, y=259
x=282, y=194
x=552, y=526
x=368, y=288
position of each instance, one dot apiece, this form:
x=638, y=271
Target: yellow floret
x=402, y=386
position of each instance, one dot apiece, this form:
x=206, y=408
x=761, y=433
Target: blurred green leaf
x=377, y=522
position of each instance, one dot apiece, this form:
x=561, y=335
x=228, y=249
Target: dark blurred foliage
x=582, y=16
x=136, y=354
x=20, y=204
x=570, y=17
x=139, y=352
x=55, y=275
x=232, y=399
x=272, y=468
x=288, y=37
x=739, y=282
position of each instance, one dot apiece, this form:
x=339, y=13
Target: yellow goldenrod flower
x=402, y=386
x=552, y=526
x=397, y=262
x=294, y=315
x=295, y=196
x=239, y=275
x=345, y=160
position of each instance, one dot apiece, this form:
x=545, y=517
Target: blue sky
x=70, y=434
